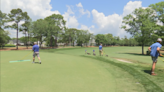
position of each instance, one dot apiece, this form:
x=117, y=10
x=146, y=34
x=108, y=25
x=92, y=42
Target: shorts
x=154, y=59
x=36, y=54
x=100, y=51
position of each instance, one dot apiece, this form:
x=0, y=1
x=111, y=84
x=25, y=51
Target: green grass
x=70, y=70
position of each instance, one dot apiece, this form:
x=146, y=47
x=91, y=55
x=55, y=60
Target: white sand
x=123, y=61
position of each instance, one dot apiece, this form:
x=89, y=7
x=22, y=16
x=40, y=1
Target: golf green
x=70, y=70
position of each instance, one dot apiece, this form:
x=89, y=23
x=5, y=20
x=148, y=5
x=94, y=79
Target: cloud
x=84, y=27
x=79, y=5
x=131, y=6
x=107, y=24
x=82, y=11
x=112, y=23
x=36, y=9
x=70, y=18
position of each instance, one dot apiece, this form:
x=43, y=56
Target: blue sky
x=105, y=6
x=108, y=7
x=97, y=16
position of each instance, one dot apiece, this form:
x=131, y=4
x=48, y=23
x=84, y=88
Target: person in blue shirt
x=36, y=52
x=100, y=50
x=155, y=52
x=85, y=51
x=94, y=52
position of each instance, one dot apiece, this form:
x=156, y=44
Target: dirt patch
x=123, y=61
x=30, y=48
x=14, y=48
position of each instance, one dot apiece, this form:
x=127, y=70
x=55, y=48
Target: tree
x=87, y=37
x=159, y=8
x=141, y=24
x=56, y=25
x=25, y=27
x=116, y=40
x=80, y=37
x=23, y=39
x=92, y=38
x=39, y=28
x=15, y=16
x=4, y=38
x=121, y=42
x=126, y=40
x=71, y=35
x=109, y=38
x=2, y=20
x=100, y=38
x=3, y=34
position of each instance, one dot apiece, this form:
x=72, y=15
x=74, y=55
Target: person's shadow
x=36, y=62
x=147, y=71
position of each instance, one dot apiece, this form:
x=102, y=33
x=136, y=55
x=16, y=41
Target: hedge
x=9, y=45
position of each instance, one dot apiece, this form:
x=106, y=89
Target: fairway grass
x=70, y=70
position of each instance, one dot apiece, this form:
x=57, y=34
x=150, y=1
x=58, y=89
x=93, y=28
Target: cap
x=159, y=39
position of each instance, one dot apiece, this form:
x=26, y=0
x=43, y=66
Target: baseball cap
x=159, y=39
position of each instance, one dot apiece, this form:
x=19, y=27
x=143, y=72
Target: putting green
x=63, y=73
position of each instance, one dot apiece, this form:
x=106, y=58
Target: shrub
x=9, y=45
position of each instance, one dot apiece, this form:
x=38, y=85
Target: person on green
x=101, y=50
x=36, y=52
x=155, y=52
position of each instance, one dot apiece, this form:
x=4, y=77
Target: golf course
x=71, y=70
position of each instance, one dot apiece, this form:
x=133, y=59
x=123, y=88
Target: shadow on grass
x=36, y=62
x=137, y=54
x=147, y=71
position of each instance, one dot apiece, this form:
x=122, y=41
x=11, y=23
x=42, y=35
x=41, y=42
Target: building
x=14, y=42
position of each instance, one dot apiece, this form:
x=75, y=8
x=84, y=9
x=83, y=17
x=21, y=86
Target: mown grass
x=70, y=70
x=140, y=68
x=149, y=85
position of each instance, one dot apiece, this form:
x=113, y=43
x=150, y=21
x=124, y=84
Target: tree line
x=51, y=29
x=144, y=24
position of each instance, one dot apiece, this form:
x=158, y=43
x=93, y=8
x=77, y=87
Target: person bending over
x=155, y=52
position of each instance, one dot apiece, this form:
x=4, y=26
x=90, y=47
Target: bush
x=9, y=45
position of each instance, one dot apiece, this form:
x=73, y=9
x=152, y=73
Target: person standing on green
x=101, y=50
x=155, y=52
x=36, y=52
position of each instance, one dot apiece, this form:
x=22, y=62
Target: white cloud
x=130, y=6
x=79, y=5
x=36, y=9
x=82, y=11
x=70, y=18
x=84, y=27
x=112, y=23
